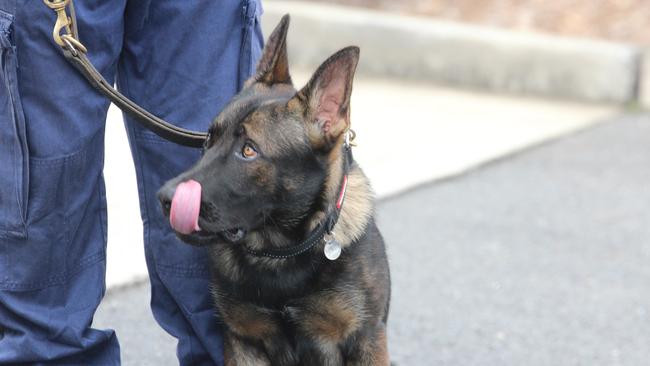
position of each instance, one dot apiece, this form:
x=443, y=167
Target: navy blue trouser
x=182, y=60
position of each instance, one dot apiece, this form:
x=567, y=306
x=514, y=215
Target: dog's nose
x=165, y=196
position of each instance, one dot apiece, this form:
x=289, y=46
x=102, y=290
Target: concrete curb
x=461, y=55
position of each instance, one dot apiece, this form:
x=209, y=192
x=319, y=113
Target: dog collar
x=324, y=229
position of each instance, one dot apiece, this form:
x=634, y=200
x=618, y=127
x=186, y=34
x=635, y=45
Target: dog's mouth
x=205, y=237
x=233, y=235
x=185, y=217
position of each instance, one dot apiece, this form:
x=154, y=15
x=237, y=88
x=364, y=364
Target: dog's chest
x=325, y=316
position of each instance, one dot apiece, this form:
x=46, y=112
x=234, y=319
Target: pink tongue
x=186, y=204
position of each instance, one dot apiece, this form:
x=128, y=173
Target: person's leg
x=52, y=204
x=182, y=60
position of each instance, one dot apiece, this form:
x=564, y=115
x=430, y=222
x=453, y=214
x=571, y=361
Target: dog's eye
x=248, y=151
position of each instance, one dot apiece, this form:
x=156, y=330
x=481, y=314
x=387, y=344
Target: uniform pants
x=180, y=59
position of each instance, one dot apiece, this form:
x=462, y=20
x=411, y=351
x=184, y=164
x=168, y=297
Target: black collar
x=325, y=227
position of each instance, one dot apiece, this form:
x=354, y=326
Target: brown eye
x=249, y=151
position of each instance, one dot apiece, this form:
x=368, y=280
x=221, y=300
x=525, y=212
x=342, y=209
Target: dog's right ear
x=273, y=67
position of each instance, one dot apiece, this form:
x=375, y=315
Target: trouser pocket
x=66, y=221
x=14, y=157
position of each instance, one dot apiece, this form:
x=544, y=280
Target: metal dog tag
x=332, y=247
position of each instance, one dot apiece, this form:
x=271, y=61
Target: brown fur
x=238, y=353
x=305, y=309
x=330, y=316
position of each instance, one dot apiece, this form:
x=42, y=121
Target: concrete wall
x=461, y=55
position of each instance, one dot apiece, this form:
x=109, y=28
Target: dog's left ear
x=273, y=66
x=327, y=98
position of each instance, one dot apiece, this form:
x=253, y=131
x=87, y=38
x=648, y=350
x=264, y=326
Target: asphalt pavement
x=539, y=258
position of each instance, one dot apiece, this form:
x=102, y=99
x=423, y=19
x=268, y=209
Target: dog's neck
x=357, y=206
x=354, y=216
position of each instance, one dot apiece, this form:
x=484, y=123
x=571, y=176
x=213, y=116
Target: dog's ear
x=273, y=67
x=326, y=97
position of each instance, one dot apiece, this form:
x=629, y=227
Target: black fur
x=304, y=310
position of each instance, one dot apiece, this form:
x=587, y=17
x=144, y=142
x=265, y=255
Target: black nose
x=165, y=195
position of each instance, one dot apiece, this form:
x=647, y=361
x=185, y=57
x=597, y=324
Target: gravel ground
x=618, y=20
x=537, y=259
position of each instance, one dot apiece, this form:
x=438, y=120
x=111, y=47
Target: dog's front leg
x=257, y=327
x=239, y=352
x=319, y=353
x=281, y=352
x=253, y=352
x=370, y=348
x=324, y=322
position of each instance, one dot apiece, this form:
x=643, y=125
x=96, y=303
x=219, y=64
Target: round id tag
x=332, y=247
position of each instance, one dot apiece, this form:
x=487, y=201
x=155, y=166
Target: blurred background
x=616, y=20
x=509, y=147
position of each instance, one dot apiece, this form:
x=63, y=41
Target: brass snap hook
x=64, y=23
x=62, y=20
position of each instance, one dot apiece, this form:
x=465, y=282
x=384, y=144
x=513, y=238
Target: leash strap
x=75, y=52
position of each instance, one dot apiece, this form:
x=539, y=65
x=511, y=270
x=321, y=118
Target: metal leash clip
x=69, y=40
x=350, y=135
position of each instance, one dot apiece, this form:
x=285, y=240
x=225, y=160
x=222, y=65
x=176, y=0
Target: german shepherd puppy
x=275, y=178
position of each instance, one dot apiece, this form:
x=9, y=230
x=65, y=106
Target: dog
x=300, y=273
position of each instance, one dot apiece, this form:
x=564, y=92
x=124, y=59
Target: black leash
x=75, y=52
x=324, y=229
